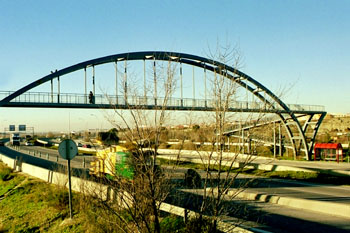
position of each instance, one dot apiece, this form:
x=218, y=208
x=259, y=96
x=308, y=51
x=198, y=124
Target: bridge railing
x=73, y=98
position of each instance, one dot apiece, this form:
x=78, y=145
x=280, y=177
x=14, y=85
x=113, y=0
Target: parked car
x=29, y=144
x=86, y=146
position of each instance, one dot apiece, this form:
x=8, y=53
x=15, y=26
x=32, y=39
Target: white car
x=29, y=144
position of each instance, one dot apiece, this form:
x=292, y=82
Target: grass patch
x=5, y=174
x=187, y=164
x=8, y=179
x=52, y=147
x=31, y=205
x=293, y=175
x=172, y=223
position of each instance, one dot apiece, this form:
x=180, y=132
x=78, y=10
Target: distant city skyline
x=298, y=46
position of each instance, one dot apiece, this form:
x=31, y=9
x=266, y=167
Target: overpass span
x=170, y=81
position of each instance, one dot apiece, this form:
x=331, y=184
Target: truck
x=112, y=161
x=120, y=161
x=15, y=139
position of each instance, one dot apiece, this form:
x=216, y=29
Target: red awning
x=328, y=146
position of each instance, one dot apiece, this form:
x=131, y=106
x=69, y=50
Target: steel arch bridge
x=267, y=101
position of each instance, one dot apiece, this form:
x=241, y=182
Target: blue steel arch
x=255, y=87
x=179, y=57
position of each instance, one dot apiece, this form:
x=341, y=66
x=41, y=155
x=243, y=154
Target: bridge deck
x=71, y=100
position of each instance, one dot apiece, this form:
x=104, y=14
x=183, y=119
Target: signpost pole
x=68, y=150
x=70, y=189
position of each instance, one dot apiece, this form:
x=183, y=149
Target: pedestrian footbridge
x=174, y=81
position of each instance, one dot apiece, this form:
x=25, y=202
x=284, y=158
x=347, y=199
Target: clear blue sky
x=302, y=44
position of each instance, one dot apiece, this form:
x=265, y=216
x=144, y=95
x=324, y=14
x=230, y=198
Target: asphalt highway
x=277, y=218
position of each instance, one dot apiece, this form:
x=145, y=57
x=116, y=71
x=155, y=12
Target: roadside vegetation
x=30, y=205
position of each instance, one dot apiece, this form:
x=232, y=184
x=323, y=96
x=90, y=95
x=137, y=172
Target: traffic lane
x=279, y=187
x=288, y=219
x=43, y=163
x=309, y=193
x=341, y=191
x=277, y=218
x=79, y=158
x=52, y=156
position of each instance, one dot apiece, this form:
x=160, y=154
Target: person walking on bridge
x=91, y=98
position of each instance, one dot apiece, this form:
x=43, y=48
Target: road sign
x=22, y=127
x=68, y=149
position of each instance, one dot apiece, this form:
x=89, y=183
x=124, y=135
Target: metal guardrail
x=50, y=156
x=72, y=98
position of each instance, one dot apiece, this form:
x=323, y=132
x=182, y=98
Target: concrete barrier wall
x=50, y=176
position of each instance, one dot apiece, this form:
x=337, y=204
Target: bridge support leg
x=315, y=130
x=297, y=136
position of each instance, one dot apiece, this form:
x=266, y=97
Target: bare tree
x=139, y=185
x=222, y=169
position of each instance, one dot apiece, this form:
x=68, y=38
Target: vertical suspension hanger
x=85, y=96
x=116, y=82
x=155, y=81
x=52, y=90
x=144, y=81
x=193, y=88
x=205, y=86
x=181, y=84
x=93, y=80
x=58, y=89
x=125, y=82
x=215, y=87
x=169, y=83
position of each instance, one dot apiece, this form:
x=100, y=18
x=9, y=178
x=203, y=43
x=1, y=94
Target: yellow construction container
x=112, y=161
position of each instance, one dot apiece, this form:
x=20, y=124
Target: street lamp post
x=96, y=130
